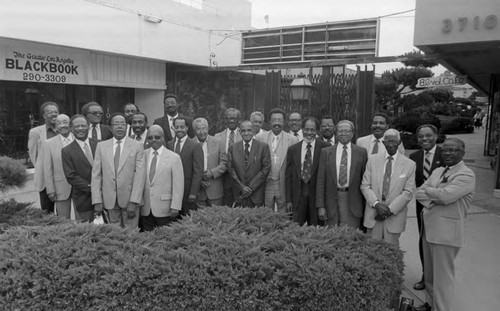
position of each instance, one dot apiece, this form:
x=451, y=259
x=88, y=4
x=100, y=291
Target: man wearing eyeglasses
x=446, y=196
x=295, y=125
x=94, y=113
x=327, y=130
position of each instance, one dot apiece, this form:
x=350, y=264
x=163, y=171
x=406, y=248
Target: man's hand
x=246, y=192
x=205, y=184
x=192, y=198
x=289, y=207
x=383, y=210
x=52, y=197
x=322, y=214
x=207, y=175
x=131, y=207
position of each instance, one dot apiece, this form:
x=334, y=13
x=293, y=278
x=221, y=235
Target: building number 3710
x=490, y=22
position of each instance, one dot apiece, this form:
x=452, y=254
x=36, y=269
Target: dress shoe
x=424, y=307
x=420, y=285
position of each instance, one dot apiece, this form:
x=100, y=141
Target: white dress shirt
x=121, y=145
x=151, y=155
x=304, y=151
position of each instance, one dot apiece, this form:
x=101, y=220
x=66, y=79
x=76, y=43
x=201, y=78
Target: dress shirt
x=51, y=132
x=249, y=143
x=299, y=135
x=432, y=152
x=151, y=155
x=67, y=140
x=143, y=137
x=121, y=145
x=228, y=134
x=183, y=140
x=394, y=158
x=304, y=151
x=332, y=140
x=171, y=122
x=204, y=146
x=338, y=159
x=82, y=143
x=98, y=130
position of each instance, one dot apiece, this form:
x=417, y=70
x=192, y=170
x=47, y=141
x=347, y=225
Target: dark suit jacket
x=105, y=132
x=326, y=191
x=293, y=173
x=418, y=158
x=255, y=174
x=165, y=125
x=192, y=163
x=78, y=172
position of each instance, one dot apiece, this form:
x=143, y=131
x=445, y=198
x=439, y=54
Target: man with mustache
x=129, y=110
x=36, y=137
x=171, y=112
x=295, y=125
x=94, y=113
x=373, y=142
x=139, y=124
x=279, y=142
x=327, y=131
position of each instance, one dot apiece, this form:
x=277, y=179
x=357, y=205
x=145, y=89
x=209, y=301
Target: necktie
x=375, y=147
x=88, y=153
x=329, y=141
x=138, y=137
x=178, y=146
x=231, y=139
x=296, y=134
x=343, y=168
x=130, y=131
x=443, y=177
x=387, y=178
x=94, y=131
x=117, y=156
x=275, y=144
x=427, y=165
x=306, y=167
x=152, y=169
x=247, y=153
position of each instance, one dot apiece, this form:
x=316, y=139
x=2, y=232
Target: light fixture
x=301, y=88
x=153, y=19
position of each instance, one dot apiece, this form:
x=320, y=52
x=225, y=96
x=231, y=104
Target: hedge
x=218, y=259
x=12, y=174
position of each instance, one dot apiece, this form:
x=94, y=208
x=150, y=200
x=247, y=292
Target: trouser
x=380, y=232
x=273, y=195
x=87, y=216
x=305, y=211
x=118, y=215
x=209, y=202
x=45, y=203
x=345, y=214
x=63, y=208
x=150, y=222
x=420, y=207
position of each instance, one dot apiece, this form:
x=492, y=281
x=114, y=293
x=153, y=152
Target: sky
x=396, y=32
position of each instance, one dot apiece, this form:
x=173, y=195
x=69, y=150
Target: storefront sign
x=39, y=63
x=445, y=80
x=476, y=23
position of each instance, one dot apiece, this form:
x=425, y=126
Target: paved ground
x=478, y=263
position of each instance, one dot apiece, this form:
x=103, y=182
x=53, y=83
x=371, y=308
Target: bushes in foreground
x=12, y=174
x=218, y=259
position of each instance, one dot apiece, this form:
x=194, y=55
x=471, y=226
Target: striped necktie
x=427, y=165
x=375, y=147
x=343, y=168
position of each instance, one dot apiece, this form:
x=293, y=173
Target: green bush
x=12, y=174
x=458, y=125
x=15, y=214
x=218, y=259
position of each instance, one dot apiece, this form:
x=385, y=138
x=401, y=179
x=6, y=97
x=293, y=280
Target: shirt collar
x=250, y=143
x=83, y=142
x=183, y=139
x=394, y=157
x=432, y=151
x=122, y=140
x=379, y=139
x=160, y=150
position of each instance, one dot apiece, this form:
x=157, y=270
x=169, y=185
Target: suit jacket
x=446, y=204
x=401, y=190
x=418, y=158
x=78, y=173
x=222, y=137
x=366, y=142
x=192, y=163
x=255, y=174
x=286, y=141
x=105, y=132
x=164, y=193
x=128, y=185
x=166, y=126
x=293, y=171
x=326, y=190
x=55, y=180
x=36, y=137
x=217, y=165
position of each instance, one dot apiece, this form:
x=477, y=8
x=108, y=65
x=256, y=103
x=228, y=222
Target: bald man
x=58, y=188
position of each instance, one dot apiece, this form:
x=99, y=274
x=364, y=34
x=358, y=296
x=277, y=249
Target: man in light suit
x=77, y=160
x=301, y=174
x=388, y=186
x=249, y=165
x=327, y=132
x=37, y=135
x=373, y=142
x=94, y=113
x=58, y=188
x=118, y=175
x=214, y=165
x=341, y=167
x=295, y=125
x=427, y=160
x=171, y=112
x=228, y=137
x=164, y=184
x=278, y=142
x=192, y=163
x=446, y=197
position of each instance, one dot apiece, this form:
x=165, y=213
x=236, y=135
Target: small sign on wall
x=445, y=80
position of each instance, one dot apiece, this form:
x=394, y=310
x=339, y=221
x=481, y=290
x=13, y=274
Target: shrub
x=218, y=259
x=12, y=174
x=15, y=214
x=458, y=125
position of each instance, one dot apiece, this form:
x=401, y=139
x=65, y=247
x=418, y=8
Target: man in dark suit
x=249, y=165
x=427, y=160
x=77, y=160
x=300, y=181
x=192, y=162
x=93, y=112
x=341, y=167
x=327, y=129
x=171, y=112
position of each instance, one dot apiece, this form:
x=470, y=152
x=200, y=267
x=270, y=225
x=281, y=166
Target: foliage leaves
x=12, y=174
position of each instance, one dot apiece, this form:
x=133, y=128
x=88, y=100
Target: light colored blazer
x=36, y=137
x=217, y=165
x=281, y=151
x=55, y=179
x=165, y=192
x=446, y=204
x=222, y=137
x=129, y=184
x=366, y=142
x=401, y=190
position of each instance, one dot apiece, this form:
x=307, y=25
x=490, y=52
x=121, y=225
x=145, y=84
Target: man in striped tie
x=427, y=159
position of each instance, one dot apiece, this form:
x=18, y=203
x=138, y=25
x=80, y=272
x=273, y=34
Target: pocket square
x=402, y=176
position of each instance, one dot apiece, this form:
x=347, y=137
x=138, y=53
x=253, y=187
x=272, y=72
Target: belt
x=343, y=189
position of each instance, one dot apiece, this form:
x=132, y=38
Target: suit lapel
x=332, y=159
x=398, y=166
x=354, y=168
x=185, y=148
x=436, y=162
x=162, y=162
x=127, y=148
x=253, y=151
x=316, y=156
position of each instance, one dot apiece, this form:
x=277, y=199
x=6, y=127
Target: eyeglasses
x=118, y=124
x=96, y=113
x=344, y=132
x=157, y=137
x=450, y=150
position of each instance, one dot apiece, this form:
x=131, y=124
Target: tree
x=440, y=95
